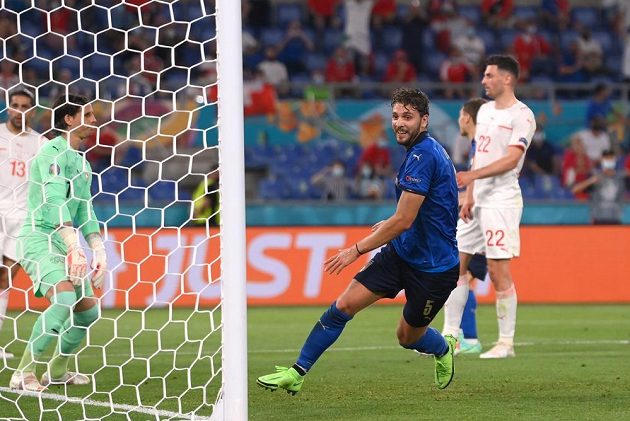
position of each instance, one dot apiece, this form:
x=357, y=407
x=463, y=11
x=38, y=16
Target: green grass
x=572, y=363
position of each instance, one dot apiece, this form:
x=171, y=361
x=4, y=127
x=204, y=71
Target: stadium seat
x=380, y=65
x=271, y=36
x=288, y=12
x=470, y=12
x=434, y=63
x=333, y=38
x=525, y=13
x=392, y=38
x=507, y=38
x=163, y=190
x=493, y=46
x=588, y=17
x=315, y=61
x=605, y=39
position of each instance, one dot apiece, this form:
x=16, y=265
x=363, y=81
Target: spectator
x=251, y=51
x=378, y=157
x=576, y=165
x=383, y=13
x=455, y=70
x=570, y=66
x=8, y=77
x=607, y=191
x=596, y=139
x=497, y=13
x=274, y=72
x=413, y=27
x=368, y=185
x=448, y=27
x=541, y=155
x=357, y=30
x=333, y=182
x=600, y=104
x=294, y=46
x=531, y=49
x=589, y=48
x=472, y=47
x=99, y=147
x=555, y=15
x=340, y=67
x=399, y=69
x=205, y=199
x=322, y=14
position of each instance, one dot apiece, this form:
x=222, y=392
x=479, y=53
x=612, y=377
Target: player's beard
x=411, y=135
x=17, y=123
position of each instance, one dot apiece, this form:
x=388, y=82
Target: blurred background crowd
x=326, y=51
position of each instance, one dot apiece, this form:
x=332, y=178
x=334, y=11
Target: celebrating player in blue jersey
x=420, y=254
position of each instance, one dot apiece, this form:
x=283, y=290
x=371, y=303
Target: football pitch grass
x=572, y=363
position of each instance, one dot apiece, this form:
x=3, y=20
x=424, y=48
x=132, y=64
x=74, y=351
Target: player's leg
x=470, y=240
x=426, y=294
x=469, y=343
x=85, y=313
x=8, y=270
x=379, y=278
x=503, y=243
x=48, y=326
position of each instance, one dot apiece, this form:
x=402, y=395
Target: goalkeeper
x=59, y=206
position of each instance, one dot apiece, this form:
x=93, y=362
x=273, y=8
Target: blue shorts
x=387, y=274
x=478, y=266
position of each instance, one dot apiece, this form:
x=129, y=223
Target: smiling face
x=19, y=113
x=407, y=123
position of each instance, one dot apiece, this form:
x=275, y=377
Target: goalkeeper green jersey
x=59, y=190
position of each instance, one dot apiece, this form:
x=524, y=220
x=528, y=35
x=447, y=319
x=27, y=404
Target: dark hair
x=471, y=107
x=413, y=98
x=22, y=92
x=505, y=62
x=609, y=152
x=66, y=105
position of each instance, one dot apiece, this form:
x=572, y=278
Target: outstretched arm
x=406, y=212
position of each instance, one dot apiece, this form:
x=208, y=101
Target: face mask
x=608, y=164
x=337, y=171
x=366, y=172
x=539, y=137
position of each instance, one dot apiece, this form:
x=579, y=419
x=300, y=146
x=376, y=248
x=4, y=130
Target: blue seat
x=605, y=39
x=525, y=13
x=381, y=60
x=163, y=190
x=507, y=38
x=332, y=39
x=315, y=61
x=434, y=63
x=271, y=36
x=288, y=12
x=97, y=66
x=392, y=38
x=586, y=16
x=472, y=13
x=489, y=40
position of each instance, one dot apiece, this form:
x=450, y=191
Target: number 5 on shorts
x=428, y=307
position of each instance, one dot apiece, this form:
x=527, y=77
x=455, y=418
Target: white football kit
x=498, y=207
x=16, y=154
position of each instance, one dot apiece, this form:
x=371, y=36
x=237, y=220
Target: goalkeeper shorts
x=43, y=258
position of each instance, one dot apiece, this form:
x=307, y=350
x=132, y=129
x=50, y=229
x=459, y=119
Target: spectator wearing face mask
x=368, y=185
x=379, y=157
x=333, y=182
x=607, y=191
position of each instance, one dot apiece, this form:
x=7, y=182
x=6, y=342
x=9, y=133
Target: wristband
x=356, y=246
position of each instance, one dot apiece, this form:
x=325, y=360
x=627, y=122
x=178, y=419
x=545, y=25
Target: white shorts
x=9, y=230
x=493, y=231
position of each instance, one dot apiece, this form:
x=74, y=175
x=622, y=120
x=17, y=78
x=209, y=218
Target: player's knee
x=87, y=317
x=345, y=306
x=406, y=337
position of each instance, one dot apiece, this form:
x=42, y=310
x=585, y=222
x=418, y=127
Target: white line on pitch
x=115, y=406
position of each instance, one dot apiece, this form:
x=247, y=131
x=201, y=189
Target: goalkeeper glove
x=76, y=263
x=99, y=259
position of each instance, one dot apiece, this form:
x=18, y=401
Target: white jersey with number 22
x=498, y=130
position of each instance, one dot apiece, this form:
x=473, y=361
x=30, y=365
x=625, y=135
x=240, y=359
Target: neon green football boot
x=284, y=378
x=445, y=365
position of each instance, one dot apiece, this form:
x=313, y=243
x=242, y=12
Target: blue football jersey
x=429, y=244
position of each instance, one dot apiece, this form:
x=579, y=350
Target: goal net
x=167, y=188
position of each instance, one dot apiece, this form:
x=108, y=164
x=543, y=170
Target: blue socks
x=469, y=317
x=324, y=334
x=432, y=342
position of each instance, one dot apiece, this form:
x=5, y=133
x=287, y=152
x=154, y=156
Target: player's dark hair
x=22, y=92
x=66, y=105
x=505, y=62
x=471, y=107
x=413, y=98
